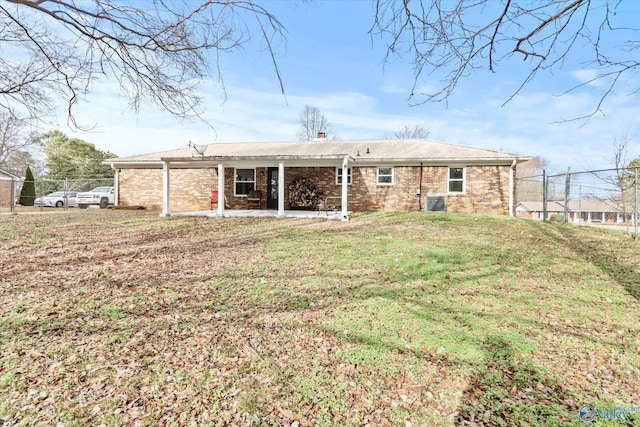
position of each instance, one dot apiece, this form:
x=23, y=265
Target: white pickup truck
x=101, y=196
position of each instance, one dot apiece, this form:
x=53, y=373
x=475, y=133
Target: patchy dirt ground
x=127, y=319
x=123, y=318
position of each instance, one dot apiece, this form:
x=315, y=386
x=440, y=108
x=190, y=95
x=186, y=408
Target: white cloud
x=588, y=77
x=526, y=125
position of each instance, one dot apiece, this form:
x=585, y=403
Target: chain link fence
x=607, y=197
x=11, y=188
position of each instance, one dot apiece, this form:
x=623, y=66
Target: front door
x=272, y=188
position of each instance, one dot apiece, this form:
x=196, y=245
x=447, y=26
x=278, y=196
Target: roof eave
x=444, y=160
x=440, y=161
x=255, y=158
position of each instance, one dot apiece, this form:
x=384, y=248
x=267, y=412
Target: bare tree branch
x=408, y=131
x=312, y=122
x=158, y=51
x=16, y=140
x=448, y=40
x=621, y=179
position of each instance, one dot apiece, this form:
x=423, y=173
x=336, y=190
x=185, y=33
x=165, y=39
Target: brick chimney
x=322, y=135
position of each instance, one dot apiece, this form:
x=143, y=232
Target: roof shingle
x=391, y=150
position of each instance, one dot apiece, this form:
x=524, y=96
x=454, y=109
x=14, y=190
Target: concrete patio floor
x=265, y=213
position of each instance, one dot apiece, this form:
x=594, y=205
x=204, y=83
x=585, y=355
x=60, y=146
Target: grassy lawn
x=407, y=319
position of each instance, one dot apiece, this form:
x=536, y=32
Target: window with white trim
x=245, y=181
x=456, y=180
x=385, y=176
x=339, y=175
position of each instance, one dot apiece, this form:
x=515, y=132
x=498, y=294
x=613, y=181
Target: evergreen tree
x=28, y=193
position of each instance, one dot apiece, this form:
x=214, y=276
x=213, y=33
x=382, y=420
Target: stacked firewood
x=303, y=194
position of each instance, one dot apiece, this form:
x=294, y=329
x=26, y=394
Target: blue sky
x=330, y=61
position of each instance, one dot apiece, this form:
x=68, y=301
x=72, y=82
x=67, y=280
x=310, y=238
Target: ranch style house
x=578, y=211
x=345, y=176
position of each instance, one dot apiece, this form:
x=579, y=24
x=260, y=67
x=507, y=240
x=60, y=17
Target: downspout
x=220, y=212
x=512, y=186
x=420, y=188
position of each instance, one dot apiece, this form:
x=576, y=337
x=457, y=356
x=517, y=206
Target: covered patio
x=278, y=163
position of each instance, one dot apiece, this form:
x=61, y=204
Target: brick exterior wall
x=487, y=191
x=190, y=188
x=5, y=193
x=487, y=188
x=6, y=185
x=364, y=194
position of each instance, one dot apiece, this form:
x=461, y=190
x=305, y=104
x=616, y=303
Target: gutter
x=420, y=188
x=439, y=161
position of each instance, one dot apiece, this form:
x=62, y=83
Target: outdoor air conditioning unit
x=434, y=203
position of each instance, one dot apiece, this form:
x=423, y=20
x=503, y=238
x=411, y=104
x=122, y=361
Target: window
x=385, y=176
x=456, y=180
x=339, y=175
x=245, y=181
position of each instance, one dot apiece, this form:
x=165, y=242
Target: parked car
x=56, y=199
x=101, y=196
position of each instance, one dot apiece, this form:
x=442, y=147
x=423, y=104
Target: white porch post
x=165, y=189
x=116, y=185
x=345, y=183
x=220, y=189
x=280, y=189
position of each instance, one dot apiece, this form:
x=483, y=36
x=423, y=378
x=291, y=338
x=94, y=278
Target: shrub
x=28, y=192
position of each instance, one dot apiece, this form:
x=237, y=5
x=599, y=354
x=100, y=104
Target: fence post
x=544, y=194
x=65, y=199
x=635, y=214
x=40, y=193
x=12, y=195
x=567, y=189
x=579, y=204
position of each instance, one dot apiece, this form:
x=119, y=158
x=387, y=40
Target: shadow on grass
x=511, y=390
x=617, y=262
x=389, y=286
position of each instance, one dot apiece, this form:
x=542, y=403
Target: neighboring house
x=8, y=188
x=584, y=211
x=381, y=175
